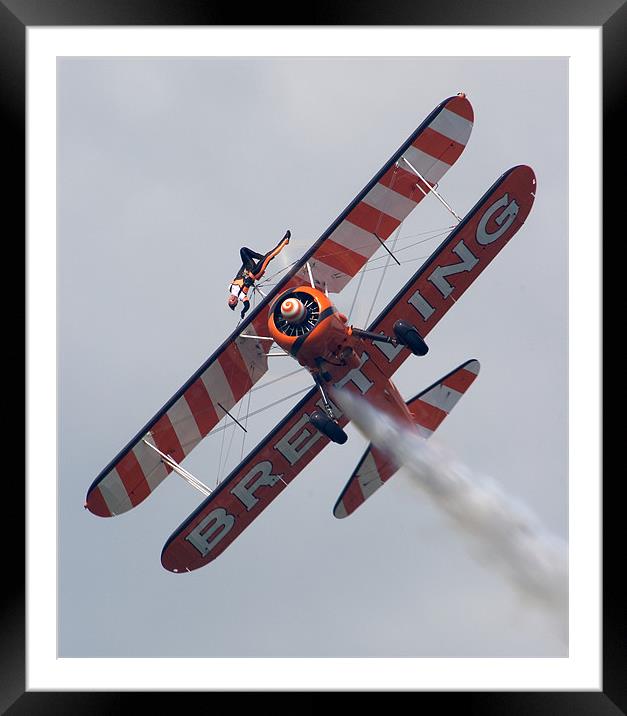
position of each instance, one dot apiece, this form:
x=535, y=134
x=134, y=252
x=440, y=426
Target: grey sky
x=165, y=168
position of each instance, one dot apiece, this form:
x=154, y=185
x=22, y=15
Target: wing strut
x=182, y=472
x=311, y=279
x=386, y=248
x=431, y=189
x=233, y=418
x=256, y=338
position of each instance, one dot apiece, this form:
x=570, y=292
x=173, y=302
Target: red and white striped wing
x=182, y=423
x=429, y=409
x=239, y=363
x=391, y=196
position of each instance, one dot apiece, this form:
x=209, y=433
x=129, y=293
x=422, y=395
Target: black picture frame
x=17, y=15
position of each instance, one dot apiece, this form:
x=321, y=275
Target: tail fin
x=429, y=409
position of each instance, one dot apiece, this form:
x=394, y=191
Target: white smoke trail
x=509, y=537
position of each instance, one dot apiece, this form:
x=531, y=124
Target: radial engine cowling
x=305, y=323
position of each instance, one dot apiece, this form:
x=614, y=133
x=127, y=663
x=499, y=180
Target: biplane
x=298, y=317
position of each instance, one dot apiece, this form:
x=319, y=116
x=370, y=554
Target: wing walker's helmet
x=232, y=301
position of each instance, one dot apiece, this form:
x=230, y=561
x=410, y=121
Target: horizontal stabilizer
x=429, y=409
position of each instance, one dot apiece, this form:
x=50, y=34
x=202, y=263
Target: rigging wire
x=385, y=268
x=436, y=232
x=221, y=451
x=228, y=452
x=407, y=261
x=224, y=436
x=265, y=282
x=390, y=251
x=410, y=246
x=281, y=377
x=250, y=394
x=364, y=268
x=223, y=428
x=361, y=279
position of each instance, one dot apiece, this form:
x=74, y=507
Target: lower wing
x=456, y=263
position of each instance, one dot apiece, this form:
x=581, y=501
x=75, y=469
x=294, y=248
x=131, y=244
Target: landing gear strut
x=406, y=334
x=325, y=421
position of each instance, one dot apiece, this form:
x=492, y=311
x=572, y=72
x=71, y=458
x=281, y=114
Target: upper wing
x=239, y=363
x=457, y=262
x=182, y=422
x=388, y=199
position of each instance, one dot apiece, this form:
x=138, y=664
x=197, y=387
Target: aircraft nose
x=292, y=310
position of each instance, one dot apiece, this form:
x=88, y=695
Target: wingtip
x=95, y=503
x=461, y=105
x=473, y=365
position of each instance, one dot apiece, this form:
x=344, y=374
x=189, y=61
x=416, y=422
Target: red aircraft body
x=300, y=318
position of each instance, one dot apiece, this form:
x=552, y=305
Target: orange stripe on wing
x=460, y=381
x=340, y=258
x=427, y=415
x=235, y=371
x=462, y=107
x=404, y=182
x=384, y=464
x=201, y=406
x=166, y=439
x=97, y=505
x=438, y=146
x=373, y=220
x=353, y=496
x=260, y=324
x=133, y=478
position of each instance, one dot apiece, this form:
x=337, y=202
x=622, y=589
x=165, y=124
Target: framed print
x=153, y=155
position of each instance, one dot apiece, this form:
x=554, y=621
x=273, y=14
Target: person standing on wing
x=253, y=268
